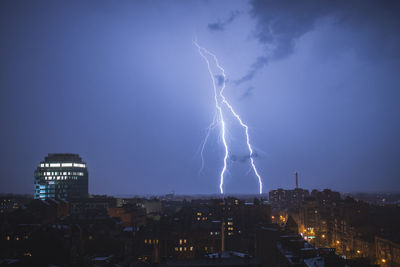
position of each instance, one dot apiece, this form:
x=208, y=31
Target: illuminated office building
x=61, y=176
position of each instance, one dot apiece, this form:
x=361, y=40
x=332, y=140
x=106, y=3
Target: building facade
x=61, y=176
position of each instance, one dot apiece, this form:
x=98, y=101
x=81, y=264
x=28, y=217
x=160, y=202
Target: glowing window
x=54, y=164
x=184, y=241
x=80, y=165
x=41, y=164
x=180, y=241
x=66, y=164
x=191, y=248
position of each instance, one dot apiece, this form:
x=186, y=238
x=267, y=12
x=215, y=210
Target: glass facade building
x=61, y=176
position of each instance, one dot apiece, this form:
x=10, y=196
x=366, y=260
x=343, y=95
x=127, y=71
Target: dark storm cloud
x=280, y=24
x=248, y=92
x=260, y=63
x=220, y=25
x=220, y=79
x=243, y=158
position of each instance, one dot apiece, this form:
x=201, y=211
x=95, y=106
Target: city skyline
x=122, y=85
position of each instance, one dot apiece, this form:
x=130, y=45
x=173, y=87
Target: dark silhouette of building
x=61, y=176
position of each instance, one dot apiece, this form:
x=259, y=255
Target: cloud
x=260, y=63
x=220, y=79
x=280, y=24
x=220, y=25
x=244, y=158
x=248, y=92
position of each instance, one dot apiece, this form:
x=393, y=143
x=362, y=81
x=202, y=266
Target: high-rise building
x=61, y=176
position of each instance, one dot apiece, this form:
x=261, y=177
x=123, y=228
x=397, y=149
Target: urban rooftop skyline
x=309, y=87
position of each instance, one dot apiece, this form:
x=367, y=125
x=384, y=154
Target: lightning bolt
x=221, y=117
x=203, y=145
x=202, y=52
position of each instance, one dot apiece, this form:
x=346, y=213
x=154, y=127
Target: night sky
x=121, y=84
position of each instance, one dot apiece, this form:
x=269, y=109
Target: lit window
x=184, y=241
x=230, y=223
x=42, y=165
x=180, y=241
x=191, y=248
x=176, y=248
x=47, y=165
x=66, y=164
x=80, y=165
x=48, y=173
x=184, y=248
x=145, y=241
x=54, y=164
x=180, y=248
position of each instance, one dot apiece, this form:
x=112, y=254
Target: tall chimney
x=297, y=180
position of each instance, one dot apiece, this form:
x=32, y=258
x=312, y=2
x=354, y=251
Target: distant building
x=61, y=176
x=287, y=198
